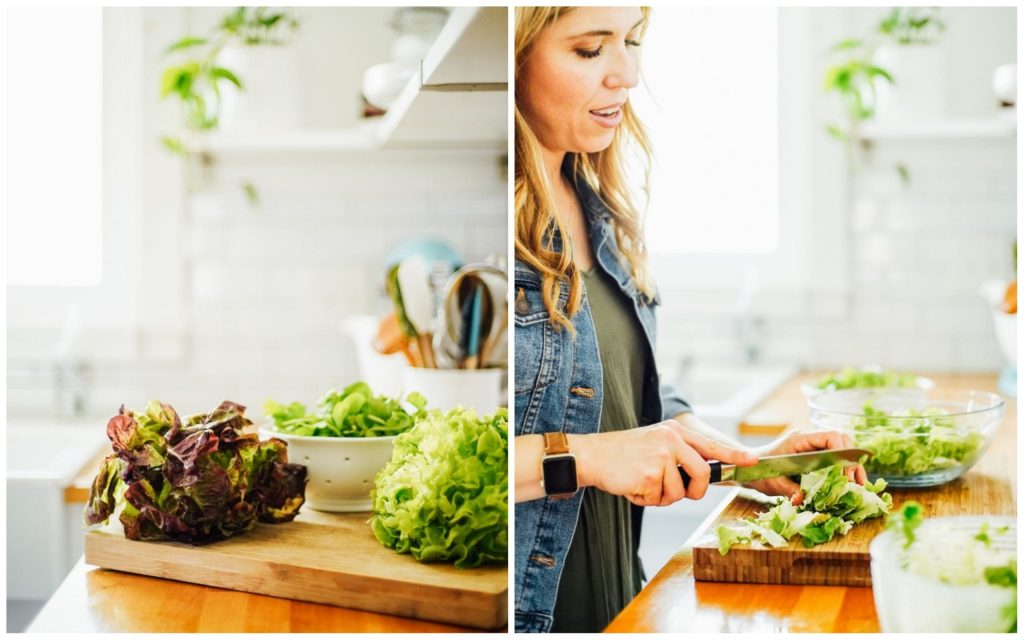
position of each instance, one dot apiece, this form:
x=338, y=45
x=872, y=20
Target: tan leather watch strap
x=555, y=443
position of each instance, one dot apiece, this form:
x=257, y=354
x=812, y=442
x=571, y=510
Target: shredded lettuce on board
x=444, y=495
x=832, y=505
x=913, y=441
x=353, y=413
x=956, y=557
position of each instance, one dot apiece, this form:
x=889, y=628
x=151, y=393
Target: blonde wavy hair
x=605, y=172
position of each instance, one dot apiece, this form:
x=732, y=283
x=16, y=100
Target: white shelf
x=957, y=128
x=355, y=139
x=459, y=99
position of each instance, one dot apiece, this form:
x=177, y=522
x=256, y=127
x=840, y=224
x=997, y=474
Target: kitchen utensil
x=494, y=312
x=329, y=558
x=916, y=439
x=395, y=293
x=418, y=303
x=907, y=601
x=493, y=340
x=473, y=341
x=390, y=339
x=793, y=464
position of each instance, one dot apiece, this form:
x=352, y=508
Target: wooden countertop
x=674, y=602
x=92, y=600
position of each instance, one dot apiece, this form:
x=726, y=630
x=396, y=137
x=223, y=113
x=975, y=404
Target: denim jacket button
x=522, y=304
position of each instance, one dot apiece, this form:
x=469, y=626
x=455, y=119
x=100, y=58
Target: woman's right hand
x=642, y=464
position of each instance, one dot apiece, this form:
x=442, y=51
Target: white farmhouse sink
x=44, y=535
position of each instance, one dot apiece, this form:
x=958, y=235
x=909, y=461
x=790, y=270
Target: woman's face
x=573, y=84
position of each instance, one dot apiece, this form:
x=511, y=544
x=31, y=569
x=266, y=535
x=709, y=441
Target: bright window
x=54, y=146
x=711, y=106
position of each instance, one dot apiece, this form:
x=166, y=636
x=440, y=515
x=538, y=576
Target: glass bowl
x=916, y=438
x=938, y=585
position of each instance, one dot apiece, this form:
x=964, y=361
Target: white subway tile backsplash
x=919, y=351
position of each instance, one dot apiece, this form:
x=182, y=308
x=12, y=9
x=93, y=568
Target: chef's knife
x=792, y=464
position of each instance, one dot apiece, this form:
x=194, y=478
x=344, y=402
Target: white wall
x=889, y=274
x=228, y=301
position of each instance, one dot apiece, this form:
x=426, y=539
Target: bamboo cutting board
x=844, y=560
x=320, y=557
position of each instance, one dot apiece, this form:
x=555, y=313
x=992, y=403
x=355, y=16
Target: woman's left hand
x=803, y=442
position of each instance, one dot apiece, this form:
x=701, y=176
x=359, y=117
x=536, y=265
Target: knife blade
x=792, y=464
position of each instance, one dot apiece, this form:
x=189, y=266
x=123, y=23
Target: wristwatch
x=558, y=467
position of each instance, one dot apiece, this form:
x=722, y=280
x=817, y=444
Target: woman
x=584, y=314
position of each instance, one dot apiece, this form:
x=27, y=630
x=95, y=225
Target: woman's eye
x=632, y=43
x=589, y=53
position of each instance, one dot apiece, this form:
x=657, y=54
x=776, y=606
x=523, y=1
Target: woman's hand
x=642, y=464
x=802, y=442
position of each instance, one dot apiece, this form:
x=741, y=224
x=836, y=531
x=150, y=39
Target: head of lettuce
x=197, y=480
x=444, y=495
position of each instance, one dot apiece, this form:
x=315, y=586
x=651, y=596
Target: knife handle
x=716, y=473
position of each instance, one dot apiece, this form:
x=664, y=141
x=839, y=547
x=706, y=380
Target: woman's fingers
x=672, y=488
x=697, y=468
x=712, y=450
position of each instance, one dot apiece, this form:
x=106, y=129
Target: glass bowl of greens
x=866, y=377
x=917, y=439
x=956, y=574
x=344, y=442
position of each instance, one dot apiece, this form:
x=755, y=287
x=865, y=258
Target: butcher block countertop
x=674, y=602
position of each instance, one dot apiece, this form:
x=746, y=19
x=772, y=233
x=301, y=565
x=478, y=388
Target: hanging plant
x=198, y=80
x=857, y=77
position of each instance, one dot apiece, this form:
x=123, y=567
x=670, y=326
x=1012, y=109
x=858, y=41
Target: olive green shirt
x=602, y=571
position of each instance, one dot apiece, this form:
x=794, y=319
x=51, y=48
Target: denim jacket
x=558, y=387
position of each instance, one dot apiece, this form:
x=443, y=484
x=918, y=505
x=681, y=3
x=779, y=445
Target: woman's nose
x=624, y=71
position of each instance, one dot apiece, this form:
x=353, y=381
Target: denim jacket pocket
x=534, y=335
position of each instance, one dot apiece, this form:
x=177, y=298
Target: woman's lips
x=608, y=118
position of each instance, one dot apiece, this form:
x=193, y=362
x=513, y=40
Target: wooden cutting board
x=320, y=557
x=845, y=560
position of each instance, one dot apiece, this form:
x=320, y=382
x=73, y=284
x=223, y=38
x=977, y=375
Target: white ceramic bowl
x=909, y=602
x=341, y=471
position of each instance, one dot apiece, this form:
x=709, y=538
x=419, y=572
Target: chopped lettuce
x=832, y=505
x=866, y=377
x=913, y=441
x=197, y=480
x=444, y=495
x=353, y=413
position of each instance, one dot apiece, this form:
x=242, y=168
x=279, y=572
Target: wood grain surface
x=94, y=600
x=320, y=557
x=675, y=602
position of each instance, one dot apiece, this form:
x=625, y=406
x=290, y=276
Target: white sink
x=51, y=450
x=44, y=535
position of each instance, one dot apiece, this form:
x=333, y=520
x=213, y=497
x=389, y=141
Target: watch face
x=560, y=475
